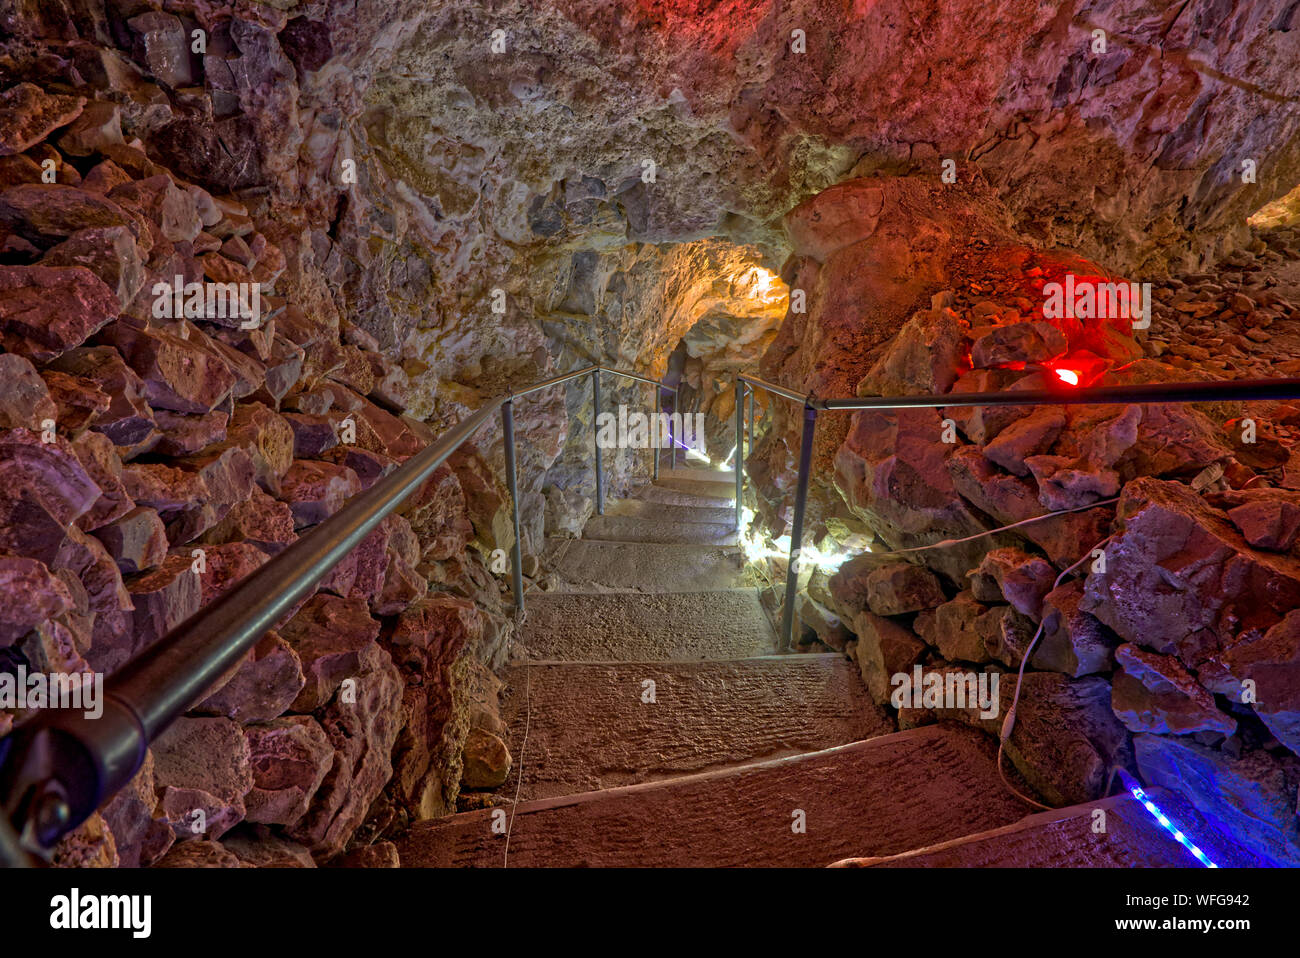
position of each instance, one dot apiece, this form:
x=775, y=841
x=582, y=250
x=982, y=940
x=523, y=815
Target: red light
x=1067, y=376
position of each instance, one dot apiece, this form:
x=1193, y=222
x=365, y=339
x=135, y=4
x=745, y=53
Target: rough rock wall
x=151, y=462
x=1170, y=649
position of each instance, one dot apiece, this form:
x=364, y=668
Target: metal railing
x=1254, y=390
x=57, y=768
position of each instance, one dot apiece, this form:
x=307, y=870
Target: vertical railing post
x=672, y=432
x=796, y=529
x=740, y=450
x=595, y=438
x=750, y=390
x=512, y=480
x=656, y=410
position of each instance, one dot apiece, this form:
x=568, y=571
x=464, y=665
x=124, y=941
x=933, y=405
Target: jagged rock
x=884, y=650
x=99, y=125
x=378, y=855
x=89, y=845
x=829, y=629
x=99, y=458
x=110, y=252
x=225, y=566
x=185, y=435
x=49, y=213
x=925, y=357
x=31, y=594
x=200, y=854
x=369, y=466
x=164, y=205
x=1181, y=580
x=1269, y=662
x=1006, y=634
x=1015, y=576
x=260, y=520
x=312, y=435
x=362, y=734
x=137, y=540
x=1011, y=499
x=335, y=640
x=891, y=472
x=167, y=489
x=1253, y=796
x=902, y=587
x=177, y=374
x=1074, y=642
x=24, y=397
x=437, y=513
x=128, y=420
x=1269, y=522
x=164, y=598
x=1066, y=738
x=290, y=757
x=163, y=46
x=259, y=847
x=486, y=760
x=28, y=115
x=78, y=402
x=315, y=491
x=202, y=772
x=1154, y=693
x=47, y=310
x=140, y=832
x=43, y=488
x=264, y=686
x=1026, y=438
x=952, y=629
x=268, y=440
x=848, y=585
x=85, y=558
x=227, y=475
x=1018, y=343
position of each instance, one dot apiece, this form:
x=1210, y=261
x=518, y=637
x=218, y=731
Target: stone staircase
x=664, y=730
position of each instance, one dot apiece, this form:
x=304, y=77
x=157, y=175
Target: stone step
x=1066, y=838
x=589, y=728
x=640, y=529
x=666, y=512
x=725, y=491
x=881, y=797
x=590, y=565
x=646, y=626
x=676, y=497
x=700, y=474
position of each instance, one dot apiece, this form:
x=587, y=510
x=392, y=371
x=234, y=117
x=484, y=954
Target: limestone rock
x=30, y=114
x=486, y=760
x=290, y=757
x=335, y=640
x=202, y=771
x=884, y=650
x=263, y=687
x=1154, y=693
x=902, y=587
x=47, y=310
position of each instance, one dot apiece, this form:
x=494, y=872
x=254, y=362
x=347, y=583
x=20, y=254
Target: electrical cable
x=1009, y=723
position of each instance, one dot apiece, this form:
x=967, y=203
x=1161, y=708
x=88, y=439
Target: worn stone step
x=882, y=797
x=666, y=512
x=642, y=529
x=646, y=626
x=726, y=491
x=590, y=565
x=590, y=726
x=700, y=474
x=1067, y=838
x=676, y=497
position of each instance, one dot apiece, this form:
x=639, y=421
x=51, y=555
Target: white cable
x=1009, y=723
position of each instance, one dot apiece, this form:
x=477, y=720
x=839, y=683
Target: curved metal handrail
x=57, y=768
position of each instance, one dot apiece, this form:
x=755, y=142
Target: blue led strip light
x=1136, y=791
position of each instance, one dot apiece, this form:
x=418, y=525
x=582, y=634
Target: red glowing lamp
x=1067, y=376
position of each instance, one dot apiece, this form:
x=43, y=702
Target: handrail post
x=796, y=530
x=655, y=412
x=750, y=389
x=595, y=438
x=512, y=480
x=672, y=435
x=740, y=451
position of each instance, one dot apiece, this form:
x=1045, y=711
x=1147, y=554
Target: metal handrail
x=59, y=767
x=1250, y=390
